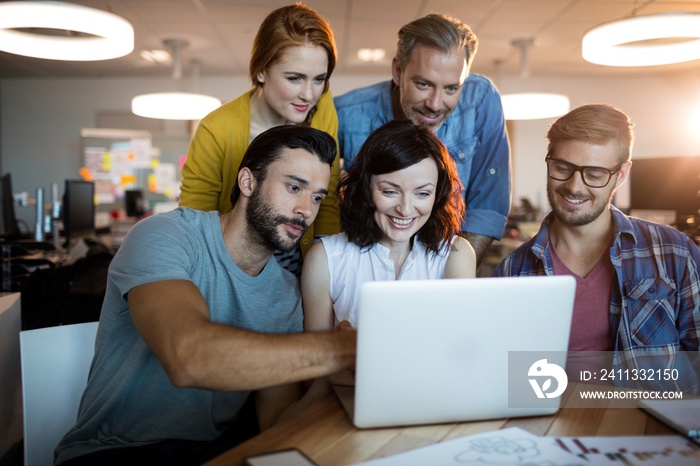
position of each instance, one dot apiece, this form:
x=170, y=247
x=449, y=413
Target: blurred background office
x=53, y=113
x=64, y=121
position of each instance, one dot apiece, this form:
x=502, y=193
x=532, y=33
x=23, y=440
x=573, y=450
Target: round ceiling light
x=622, y=42
x=371, y=55
x=174, y=105
x=92, y=34
x=534, y=105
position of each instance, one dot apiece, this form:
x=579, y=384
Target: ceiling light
x=532, y=105
x=371, y=55
x=620, y=43
x=87, y=33
x=175, y=105
x=158, y=56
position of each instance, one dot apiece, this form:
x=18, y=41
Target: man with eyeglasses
x=637, y=282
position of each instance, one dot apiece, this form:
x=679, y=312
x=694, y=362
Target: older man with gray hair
x=431, y=85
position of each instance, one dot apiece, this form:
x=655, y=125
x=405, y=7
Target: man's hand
x=344, y=326
x=173, y=319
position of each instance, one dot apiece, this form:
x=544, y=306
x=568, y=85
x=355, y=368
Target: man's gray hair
x=442, y=32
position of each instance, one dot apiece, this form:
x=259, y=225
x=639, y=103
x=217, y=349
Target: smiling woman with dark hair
x=401, y=212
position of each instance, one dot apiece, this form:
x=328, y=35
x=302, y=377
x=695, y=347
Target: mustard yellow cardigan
x=217, y=149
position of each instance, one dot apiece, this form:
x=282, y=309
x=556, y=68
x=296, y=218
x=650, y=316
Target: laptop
x=435, y=351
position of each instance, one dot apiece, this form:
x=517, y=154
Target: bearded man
x=198, y=314
x=637, y=292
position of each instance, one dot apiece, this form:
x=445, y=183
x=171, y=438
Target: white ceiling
x=220, y=34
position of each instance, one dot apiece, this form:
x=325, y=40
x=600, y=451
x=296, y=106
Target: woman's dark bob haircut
x=392, y=147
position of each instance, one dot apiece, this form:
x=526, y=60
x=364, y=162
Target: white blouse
x=349, y=267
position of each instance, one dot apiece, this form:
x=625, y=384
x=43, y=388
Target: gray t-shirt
x=129, y=399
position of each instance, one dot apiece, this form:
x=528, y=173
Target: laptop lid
x=432, y=351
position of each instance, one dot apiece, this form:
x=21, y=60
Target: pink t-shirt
x=590, y=327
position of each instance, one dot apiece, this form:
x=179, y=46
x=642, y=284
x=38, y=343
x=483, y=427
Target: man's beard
x=576, y=219
x=411, y=114
x=264, y=221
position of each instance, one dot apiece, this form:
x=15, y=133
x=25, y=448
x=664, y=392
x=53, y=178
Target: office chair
x=55, y=364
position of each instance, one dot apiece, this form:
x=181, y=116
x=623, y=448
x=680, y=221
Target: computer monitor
x=78, y=210
x=10, y=227
x=666, y=183
x=133, y=200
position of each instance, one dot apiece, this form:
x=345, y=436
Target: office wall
x=663, y=108
x=40, y=120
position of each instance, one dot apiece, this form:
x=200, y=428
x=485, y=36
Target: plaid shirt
x=655, y=299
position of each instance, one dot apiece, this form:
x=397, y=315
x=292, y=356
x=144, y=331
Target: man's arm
x=276, y=404
x=271, y=402
x=480, y=244
x=173, y=318
x=688, y=320
x=488, y=189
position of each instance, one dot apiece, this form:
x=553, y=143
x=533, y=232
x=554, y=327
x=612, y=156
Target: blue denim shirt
x=474, y=134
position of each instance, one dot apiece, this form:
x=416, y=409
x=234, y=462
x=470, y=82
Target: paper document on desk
x=657, y=450
x=506, y=447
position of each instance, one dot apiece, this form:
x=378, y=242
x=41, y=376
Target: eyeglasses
x=595, y=177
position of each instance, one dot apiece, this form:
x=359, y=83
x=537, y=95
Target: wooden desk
x=324, y=432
